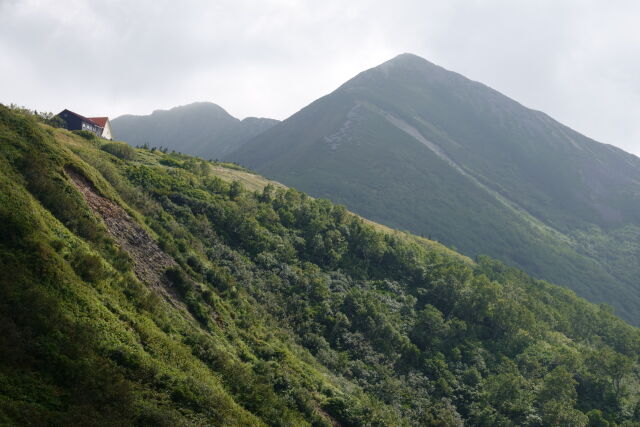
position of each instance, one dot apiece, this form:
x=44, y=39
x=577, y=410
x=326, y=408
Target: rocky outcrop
x=150, y=262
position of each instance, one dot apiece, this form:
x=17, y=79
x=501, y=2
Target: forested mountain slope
x=144, y=288
x=416, y=147
x=202, y=128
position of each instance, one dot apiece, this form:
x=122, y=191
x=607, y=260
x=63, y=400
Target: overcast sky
x=577, y=60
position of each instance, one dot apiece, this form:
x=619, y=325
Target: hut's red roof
x=100, y=121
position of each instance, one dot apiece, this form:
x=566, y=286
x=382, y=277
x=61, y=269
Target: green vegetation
x=280, y=309
x=416, y=147
x=88, y=135
x=120, y=150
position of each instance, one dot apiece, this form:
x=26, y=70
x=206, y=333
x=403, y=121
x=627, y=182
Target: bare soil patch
x=150, y=262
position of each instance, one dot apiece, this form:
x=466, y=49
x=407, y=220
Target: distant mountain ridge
x=415, y=146
x=202, y=128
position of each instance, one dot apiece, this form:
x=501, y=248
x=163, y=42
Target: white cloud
x=576, y=60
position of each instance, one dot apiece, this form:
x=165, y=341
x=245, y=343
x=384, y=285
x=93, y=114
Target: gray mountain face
x=203, y=129
x=421, y=148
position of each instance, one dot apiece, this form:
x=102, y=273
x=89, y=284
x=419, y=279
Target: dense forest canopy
x=272, y=307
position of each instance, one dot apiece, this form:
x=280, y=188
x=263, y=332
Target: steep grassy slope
x=417, y=147
x=202, y=128
x=153, y=289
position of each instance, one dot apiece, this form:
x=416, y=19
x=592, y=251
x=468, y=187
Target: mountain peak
x=201, y=128
x=204, y=107
x=407, y=56
x=403, y=67
x=413, y=134
x=407, y=60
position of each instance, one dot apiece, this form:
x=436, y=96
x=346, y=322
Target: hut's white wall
x=106, y=132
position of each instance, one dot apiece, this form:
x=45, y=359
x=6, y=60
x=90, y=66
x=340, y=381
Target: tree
x=235, y=190
x=557, y=399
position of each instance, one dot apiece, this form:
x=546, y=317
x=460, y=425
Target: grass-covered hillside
x=145, y=288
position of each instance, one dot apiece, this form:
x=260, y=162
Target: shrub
x=120, y=150
x=168, y=161
x=179, y=280
x=51, y=120
x=88, y=267
x=194, y=262
x=89, y=136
